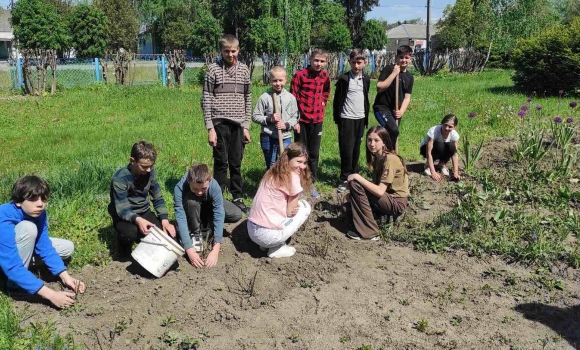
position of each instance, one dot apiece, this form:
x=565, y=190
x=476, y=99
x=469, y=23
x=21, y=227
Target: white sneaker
x=282, y=251
x=197, y=242
x=445, y=170
x=427, y=172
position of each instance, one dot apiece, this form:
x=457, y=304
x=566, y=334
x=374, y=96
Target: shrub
x=548, y=62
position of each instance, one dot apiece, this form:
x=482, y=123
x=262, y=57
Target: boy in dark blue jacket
x=24, y=231
x=350, y=111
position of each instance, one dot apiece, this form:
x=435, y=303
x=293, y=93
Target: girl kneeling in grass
x=277, y=211
x=441, y=143
x=386, y=194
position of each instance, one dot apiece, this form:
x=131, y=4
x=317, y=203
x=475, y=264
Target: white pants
x=26, y=233
x=271, y=238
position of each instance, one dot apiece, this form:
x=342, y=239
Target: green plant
x=294, y=337
x=168, y=320
x=344, y=338
x=456, y=320
x=170, y=339
x=422, y=325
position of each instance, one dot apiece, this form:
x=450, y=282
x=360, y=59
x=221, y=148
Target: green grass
x=79, y=137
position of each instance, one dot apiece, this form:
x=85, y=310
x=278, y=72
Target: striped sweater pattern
x=227, y=94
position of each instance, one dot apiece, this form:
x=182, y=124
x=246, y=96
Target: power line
x=406, y=6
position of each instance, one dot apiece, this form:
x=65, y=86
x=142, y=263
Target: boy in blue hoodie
x=199, y=203
x=24, y=231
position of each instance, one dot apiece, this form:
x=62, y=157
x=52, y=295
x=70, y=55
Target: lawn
x=513, y=206
x=79, y=137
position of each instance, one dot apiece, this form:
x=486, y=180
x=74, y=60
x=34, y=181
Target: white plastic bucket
x=157, y=252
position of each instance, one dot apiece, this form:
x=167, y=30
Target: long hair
x=376, y=162
x=280, y=174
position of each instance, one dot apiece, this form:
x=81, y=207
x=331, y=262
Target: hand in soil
x=435, y=176
x=168, y=228
x=74, y=284
x=62, y=299
x=212, y=258
x=456, y=176
x=194, y=258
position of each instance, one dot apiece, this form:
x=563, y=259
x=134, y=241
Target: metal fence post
x=163, y=71
x=97, y=70
x=20, y=82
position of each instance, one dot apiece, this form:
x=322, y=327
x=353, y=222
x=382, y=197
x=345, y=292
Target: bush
x=549, y=62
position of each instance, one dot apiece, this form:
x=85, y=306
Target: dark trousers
x=228, y=154
x=311, y=136
x=442, y=151
x=363, y=204
x=387, y=120
x=128, y=232
x=350, y=133
x=199, y=213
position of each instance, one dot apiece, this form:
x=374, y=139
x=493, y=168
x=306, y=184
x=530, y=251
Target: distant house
x=6, y=35
x=414, y=35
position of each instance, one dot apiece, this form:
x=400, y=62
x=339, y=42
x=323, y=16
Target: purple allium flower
x=569, y=120
x=522, y=113
x=529, y=99
x=557, y=120
x=471, y=115
x=524, y=108
x=539, y=108
x=573, y=104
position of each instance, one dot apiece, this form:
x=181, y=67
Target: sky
x=391, y=10
x=400, y=10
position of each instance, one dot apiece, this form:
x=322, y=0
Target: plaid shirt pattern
x=311, y=91
x=130, y=195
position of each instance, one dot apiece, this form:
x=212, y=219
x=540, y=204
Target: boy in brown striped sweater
x=227, y=109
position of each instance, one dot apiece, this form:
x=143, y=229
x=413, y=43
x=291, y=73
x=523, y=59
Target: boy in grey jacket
x=271, y=122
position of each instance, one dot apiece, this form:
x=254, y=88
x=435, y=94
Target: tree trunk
x=53, y=68
x=487, y=56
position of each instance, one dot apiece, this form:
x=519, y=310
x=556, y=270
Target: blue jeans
x=270, y=148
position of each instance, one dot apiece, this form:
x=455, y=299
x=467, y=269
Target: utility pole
x=428, y=23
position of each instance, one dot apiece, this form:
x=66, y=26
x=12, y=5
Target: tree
x=337, y=39
x=299, y=15
x=328, y=15
x=266, y=34
x=40, y=31
x=174, y=30
x=373, y=35
x=206, y=31
x=122, y=39
x=88, y=27
x=356, y=11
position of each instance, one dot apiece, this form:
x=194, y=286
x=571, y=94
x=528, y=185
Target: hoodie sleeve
x=338, y=101
x=261, y=109
x=291, y=115
x=180, y=215
x=208, y=96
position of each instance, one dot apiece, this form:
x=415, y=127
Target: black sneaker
x=354, y=235
x=343, y=187
x=240, y=204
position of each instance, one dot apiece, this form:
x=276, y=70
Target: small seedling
x=188, y=344
x=344, y=338
x=167, y=321
x=507, y=320
x=365, y=347
x=320, y=246
x=456, y=320
x=305, y=284
x=218, y=289
x=294, y=337
x=247, y=286
x=422, y=325
x=170, y=339
x=404, y=302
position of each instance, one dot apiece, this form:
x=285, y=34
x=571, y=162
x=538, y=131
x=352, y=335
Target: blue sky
x=400, y=10
x=391, y=10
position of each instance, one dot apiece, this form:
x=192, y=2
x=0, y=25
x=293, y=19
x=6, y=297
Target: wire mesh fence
x=150, y=69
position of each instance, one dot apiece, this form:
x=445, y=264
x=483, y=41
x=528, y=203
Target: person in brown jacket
x=385, y=194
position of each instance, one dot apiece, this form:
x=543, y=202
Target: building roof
x=5, y=25
x=413, y=31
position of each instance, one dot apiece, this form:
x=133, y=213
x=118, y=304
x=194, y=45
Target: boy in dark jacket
x=350, y=111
